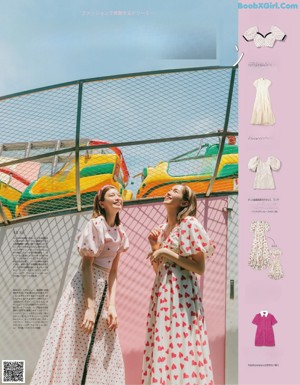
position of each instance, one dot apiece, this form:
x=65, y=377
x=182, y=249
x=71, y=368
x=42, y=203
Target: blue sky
x=50, y=42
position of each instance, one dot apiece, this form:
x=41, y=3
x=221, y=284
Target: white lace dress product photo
x=262, y=113
x=267, y=40
x=264, y=177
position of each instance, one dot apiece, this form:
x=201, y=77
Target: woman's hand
x=195, y=262
x=157, y=254
x=89, y=320
x=153, y=238
x=112, y=319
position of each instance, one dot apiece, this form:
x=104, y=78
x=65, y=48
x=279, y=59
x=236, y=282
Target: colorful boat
x=195, y=170
x=9, y=198
x=13, y=180
x=58, y=192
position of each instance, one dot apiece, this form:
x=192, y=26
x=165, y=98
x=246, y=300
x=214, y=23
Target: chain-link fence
x=41, y=257
x=142, y=133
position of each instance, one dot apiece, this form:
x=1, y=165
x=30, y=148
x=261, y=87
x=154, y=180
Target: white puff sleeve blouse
x=264, y=177
x=102, y=242
x=91, y=239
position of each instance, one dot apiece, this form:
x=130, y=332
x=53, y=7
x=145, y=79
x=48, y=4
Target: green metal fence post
x=224, y=132
x=77, y=143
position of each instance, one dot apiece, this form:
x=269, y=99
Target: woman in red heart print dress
x=177, y=351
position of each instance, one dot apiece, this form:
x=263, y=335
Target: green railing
x=183, y=118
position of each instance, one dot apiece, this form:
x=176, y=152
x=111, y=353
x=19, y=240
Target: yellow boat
x=194, y=170
x=9, y=198
x=58, y=192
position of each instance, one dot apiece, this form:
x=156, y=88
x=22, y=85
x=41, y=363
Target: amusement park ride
x=48, y=184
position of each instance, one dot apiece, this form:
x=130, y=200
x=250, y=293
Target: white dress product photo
x=275, y=271
x=262, y=111
x=264, y=178
x=260, y=254
x=267, y=40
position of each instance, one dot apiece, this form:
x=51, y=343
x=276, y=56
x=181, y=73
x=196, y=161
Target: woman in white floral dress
x=82, y=345
x=177, y=351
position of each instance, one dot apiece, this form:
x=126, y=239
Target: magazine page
x=143, y=192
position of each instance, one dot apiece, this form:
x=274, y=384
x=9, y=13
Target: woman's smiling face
x=113, y=201
x=174, y=197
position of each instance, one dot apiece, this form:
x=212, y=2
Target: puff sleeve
x=274, y=163
x=268, y=82
x=255, y=320
x=91, y=239
x=253, y=163
x=193, y=238
x=250, y=33
x=277, y=33
x=260, y=226
x=273, y=320
x=124, y=240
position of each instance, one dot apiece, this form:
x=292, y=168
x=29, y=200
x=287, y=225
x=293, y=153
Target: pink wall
x=136, y=277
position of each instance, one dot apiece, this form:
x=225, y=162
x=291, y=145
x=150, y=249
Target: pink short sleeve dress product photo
x=264, y=333
x=262, y=111
x=264, y=172
x=69, y=355
x=176, y=349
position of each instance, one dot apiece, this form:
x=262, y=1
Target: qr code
x=13, y=372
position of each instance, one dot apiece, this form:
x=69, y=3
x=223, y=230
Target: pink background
x=136, y=278
x=257, y=291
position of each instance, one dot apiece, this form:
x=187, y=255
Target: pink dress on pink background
x=63, y=359
x=177, y=351
x=264, y=332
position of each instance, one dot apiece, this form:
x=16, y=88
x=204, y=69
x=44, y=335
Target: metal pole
x=224, y=133
x=27, y=150
x=55, y=159
x=77, y=143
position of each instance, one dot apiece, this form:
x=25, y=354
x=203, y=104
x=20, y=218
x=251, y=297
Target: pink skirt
x=63, y=359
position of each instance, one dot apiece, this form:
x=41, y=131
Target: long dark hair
x=191, y=209
x=98, y=210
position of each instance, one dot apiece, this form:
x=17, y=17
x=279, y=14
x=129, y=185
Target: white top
x=102, y=242
x=264, y=178
x=261, y=40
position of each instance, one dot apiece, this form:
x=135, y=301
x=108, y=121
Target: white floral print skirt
x=64, y=359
